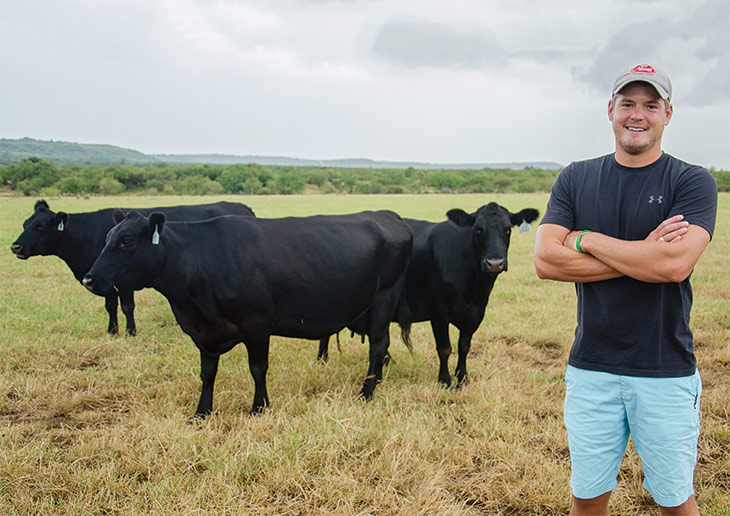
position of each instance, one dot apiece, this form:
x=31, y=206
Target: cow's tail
x=404, y=319
x=405, y=335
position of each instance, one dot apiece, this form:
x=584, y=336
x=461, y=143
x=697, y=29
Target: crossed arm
x=669, y=260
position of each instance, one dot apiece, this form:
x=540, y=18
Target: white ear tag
x=155, y=236
x=525, y=227
x=60, y=226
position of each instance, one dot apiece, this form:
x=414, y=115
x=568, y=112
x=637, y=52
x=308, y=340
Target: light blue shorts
x=662, y=416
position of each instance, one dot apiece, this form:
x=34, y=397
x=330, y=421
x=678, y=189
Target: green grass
x=96, y=424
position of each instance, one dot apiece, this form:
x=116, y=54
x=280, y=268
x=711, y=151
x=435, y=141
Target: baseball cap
x=645, y=73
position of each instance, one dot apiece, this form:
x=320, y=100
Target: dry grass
x=95, y=424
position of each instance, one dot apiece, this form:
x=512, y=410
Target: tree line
x=34, y=176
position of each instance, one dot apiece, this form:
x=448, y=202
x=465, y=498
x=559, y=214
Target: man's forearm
x=553, y=260
x=576, y=268
x=667, y=254
x=652, y=261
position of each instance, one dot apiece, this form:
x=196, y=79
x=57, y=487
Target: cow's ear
x=460, y=217
x=157, y=223
x=61, y=220
x=526, y=215
x=118, y=216
x=40, y=204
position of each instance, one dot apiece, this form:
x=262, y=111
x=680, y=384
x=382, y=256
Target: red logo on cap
x=643, y=68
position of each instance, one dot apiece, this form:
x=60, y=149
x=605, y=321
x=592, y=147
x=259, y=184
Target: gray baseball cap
x=645, y=73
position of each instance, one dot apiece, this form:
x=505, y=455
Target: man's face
x=638, y=115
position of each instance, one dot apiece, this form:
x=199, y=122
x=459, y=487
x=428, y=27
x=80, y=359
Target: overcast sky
x=409, y=80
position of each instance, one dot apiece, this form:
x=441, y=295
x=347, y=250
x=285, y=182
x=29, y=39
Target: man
x=628, y=228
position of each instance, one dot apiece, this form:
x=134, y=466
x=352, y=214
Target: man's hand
x=671, y=230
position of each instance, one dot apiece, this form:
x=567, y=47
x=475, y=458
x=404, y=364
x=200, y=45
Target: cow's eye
x=478, y=231
x=508, y=231
x=38, y=227
x=127, y=242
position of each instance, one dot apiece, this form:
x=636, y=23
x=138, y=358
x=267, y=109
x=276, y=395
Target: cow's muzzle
x=88, y=282
x=94, y=286
x=494, y=265
x=17, y=250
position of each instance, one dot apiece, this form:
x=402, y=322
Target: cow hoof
x=462, y=382
x=132, y=332
x=197, y=419
x=255, y=411
x=366, y=394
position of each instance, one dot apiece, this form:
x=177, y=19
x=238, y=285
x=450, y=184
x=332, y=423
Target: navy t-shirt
x=626, y=326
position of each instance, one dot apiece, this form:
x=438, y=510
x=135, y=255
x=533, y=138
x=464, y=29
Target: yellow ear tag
x=155, y=237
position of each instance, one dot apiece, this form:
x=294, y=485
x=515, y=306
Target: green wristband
x=577, y=240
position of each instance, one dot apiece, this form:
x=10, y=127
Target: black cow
x=239, y=279
x=452, y=272
x=78, y=238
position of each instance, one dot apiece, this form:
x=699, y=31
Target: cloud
x=631, y=45
x=412, y=43
x=393, y=79
x=711, y=75
x=693, y=51
x=285, y=40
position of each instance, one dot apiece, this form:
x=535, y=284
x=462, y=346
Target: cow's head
x=132, y=256
x=491, y=228
x=42, y=234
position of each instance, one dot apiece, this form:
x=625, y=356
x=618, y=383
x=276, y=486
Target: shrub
x=30, y=175
x=110, y=186
x=290, y=182
x=201, y=185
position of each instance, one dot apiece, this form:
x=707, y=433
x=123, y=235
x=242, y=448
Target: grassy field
x=97, y=424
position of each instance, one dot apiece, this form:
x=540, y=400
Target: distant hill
x=227, y=159
x=65, y=153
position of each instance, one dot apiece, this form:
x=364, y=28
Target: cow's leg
x=126, y=297
x=378, y=331
x=464, y=346
x=323, y=353
x=379, y=318
x=258, y=363
x=208, y=370
x=378, y=348
x=440, y=329
x=110, y=303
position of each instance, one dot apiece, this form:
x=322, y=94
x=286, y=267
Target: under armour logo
x=658, y=199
